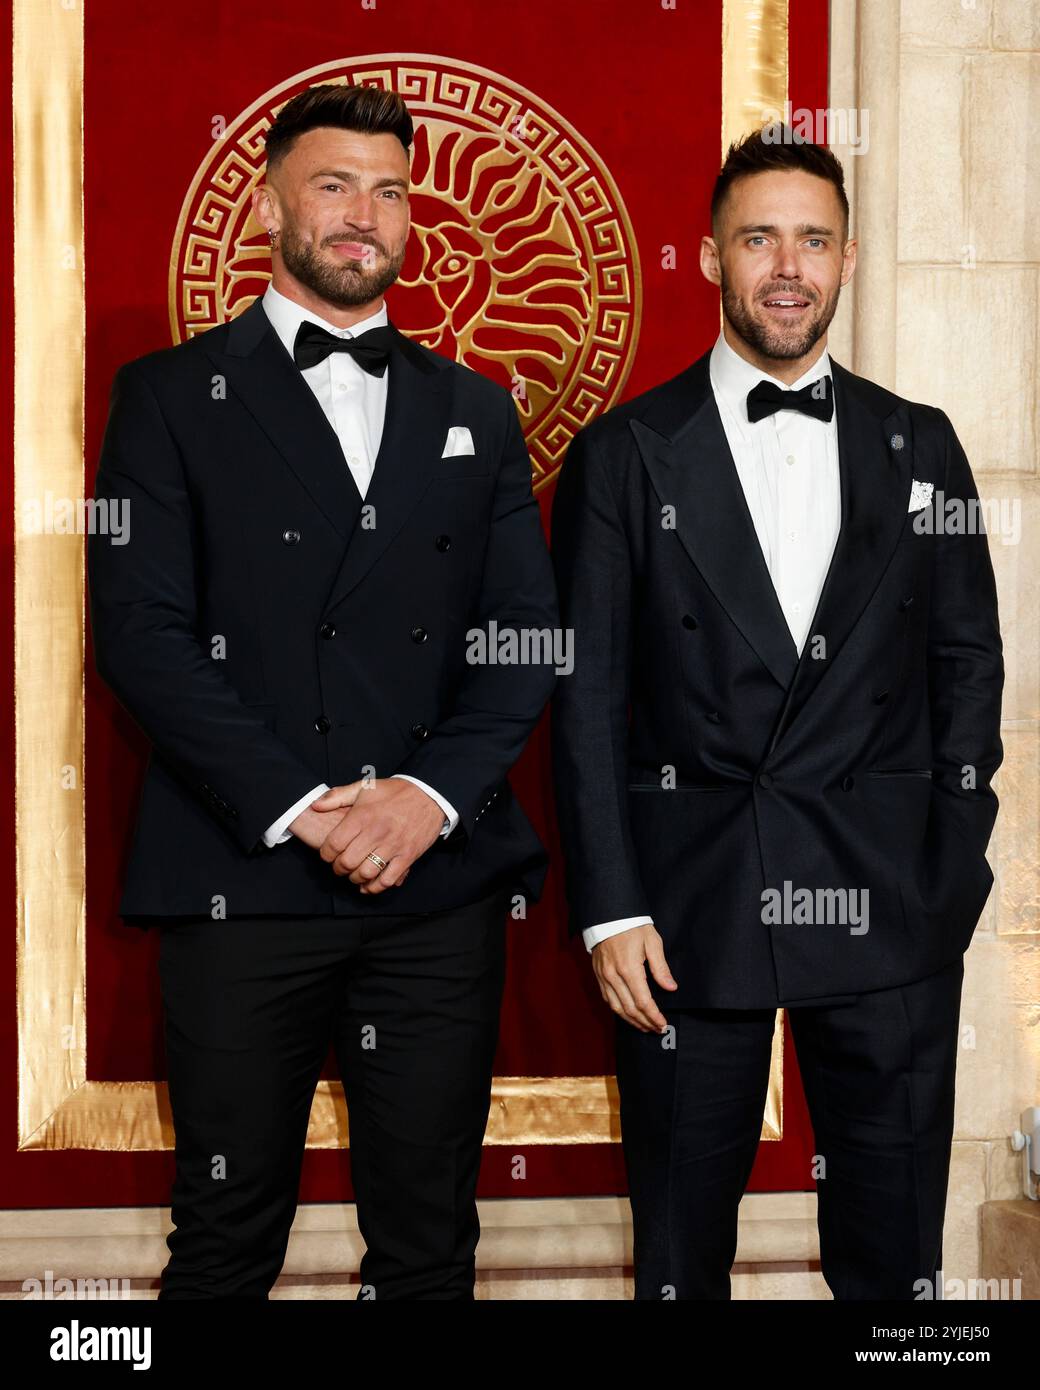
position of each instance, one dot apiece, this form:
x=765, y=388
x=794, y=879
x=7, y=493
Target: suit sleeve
x=469, y=753
x=965, y=683
x=144, y=614
x=590, y=709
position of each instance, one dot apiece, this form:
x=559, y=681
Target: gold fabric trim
x=48, y=567
x=58, y=1108
x=754, y=65
x=525, y=1110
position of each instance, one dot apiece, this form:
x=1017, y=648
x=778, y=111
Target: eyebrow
x=349, y=176
x=806, y=229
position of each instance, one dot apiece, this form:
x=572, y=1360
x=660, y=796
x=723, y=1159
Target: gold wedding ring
x=380, y=863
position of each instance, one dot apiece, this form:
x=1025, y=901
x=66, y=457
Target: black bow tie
x=816, y=399
x=370, y=350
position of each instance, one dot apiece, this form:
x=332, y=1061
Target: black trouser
x=411, y=1006
x=879, y=1080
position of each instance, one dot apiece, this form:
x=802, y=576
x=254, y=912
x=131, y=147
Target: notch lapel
x=685, y=451
x=875, y=463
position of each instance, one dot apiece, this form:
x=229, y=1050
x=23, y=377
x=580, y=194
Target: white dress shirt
x=354, y=402
x=788, y=468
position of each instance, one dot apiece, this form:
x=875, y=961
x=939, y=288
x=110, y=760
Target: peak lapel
x=267, y=381
x=875, y=462
x=686, y=453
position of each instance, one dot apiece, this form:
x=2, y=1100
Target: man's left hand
x=390, y=817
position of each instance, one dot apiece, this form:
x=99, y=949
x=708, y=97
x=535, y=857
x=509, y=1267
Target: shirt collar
x=286, y=316
x=732, y=376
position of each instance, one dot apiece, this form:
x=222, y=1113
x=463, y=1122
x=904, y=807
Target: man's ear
x=848, y=262
x=264, y=209
x=711, y=265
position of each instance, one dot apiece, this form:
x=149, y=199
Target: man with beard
x=320, y=511
x=774, y=753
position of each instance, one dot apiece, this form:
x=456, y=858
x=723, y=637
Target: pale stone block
x=967, y=342
x=943, y=23
x=932, y=196
x=1015, y=846
x=966, y=1192
x=583, y=1287
x=780, y=1286
x=1016, y=24
x=998, y=1059
x=1003, y=1172
x=1003, y=162
x=1013, y=504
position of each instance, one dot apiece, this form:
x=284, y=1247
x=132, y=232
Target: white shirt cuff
x=278, y=833
x=451, y=815
x=592, y=936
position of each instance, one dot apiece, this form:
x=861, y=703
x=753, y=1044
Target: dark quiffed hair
x=777, y=147
x=368, y=110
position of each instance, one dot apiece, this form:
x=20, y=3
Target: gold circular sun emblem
x=521, y=260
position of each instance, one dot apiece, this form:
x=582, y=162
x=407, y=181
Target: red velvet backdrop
x=642, y=85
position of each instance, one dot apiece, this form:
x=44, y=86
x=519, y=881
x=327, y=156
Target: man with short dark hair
x=320, y=511
x=773, y=757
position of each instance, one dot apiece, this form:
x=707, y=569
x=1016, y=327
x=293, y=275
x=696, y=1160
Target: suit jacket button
x=765, y=779
x=327, y=630
x=290, y=536
x=420, y=731
x=443, y=543
x=689, y=621
x=419, y=634
x=847, y=783
x=323, y=724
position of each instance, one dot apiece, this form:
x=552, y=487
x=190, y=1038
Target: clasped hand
x=390, y=817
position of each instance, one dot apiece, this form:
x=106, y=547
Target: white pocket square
x=920, y=495
x=459, y=441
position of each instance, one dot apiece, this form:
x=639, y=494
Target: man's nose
x=360, y=211
x=786, y=265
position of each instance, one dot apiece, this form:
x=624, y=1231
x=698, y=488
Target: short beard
x=347, y=285
x=783, y=345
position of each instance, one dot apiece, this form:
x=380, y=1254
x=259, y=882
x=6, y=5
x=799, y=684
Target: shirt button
x=790, y=460
x=792, y=535
x=796, y=608
x=353, y=461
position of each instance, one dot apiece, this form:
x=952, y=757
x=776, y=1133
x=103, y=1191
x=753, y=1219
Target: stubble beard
x=347, y=285
x=783, y=344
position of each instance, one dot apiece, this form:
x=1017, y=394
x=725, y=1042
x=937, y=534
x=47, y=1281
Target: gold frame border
x=58, y=1108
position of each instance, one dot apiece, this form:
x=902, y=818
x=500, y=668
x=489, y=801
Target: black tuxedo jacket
x=865, y=768
x=267, y=636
